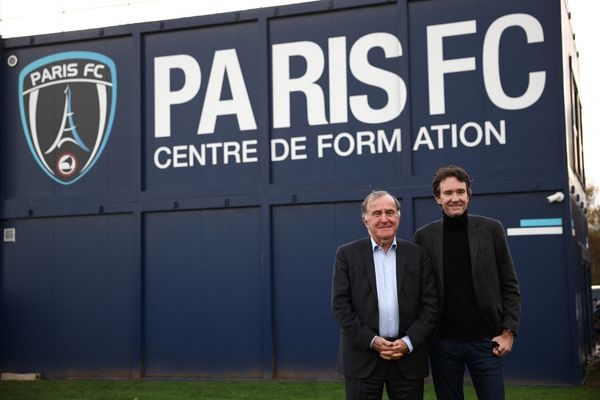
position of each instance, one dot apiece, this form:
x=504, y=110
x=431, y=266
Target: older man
x=385, y=301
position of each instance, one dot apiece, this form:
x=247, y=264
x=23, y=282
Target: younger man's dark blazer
x=494, y=279
x=354, y=305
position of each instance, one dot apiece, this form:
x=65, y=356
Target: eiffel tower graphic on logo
x=64, y=130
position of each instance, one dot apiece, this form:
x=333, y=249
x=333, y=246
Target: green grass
x=239, y=390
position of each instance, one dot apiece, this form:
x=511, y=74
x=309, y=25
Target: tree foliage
x=593, y=212
x=593, y=219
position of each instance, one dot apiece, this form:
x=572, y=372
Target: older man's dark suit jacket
x=354, y=305
x=494, y=279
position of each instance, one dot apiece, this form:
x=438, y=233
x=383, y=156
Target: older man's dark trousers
x=387, y=373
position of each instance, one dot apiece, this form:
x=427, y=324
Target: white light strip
x=543, y=230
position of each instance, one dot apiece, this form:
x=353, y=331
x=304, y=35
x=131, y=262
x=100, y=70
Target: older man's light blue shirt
x=387, y=292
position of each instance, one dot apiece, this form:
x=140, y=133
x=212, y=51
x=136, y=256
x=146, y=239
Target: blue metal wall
x=152, y=260
x=202, y=309
x=67, y=298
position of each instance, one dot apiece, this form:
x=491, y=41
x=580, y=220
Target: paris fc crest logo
x=67, y=102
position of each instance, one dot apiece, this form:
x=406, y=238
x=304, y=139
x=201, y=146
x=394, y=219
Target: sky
x=584, y=18
x=29, y=17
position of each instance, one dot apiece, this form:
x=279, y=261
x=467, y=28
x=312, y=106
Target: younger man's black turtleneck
x=461, y=318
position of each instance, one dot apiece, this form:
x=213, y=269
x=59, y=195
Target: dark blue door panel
x=67, y=296
x=304, y=242
x=202, y=293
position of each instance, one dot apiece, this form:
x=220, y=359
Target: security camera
x=556, y=197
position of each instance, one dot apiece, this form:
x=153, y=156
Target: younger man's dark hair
x=446, y=172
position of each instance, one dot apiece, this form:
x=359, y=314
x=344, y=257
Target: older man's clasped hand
x=390, y=350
